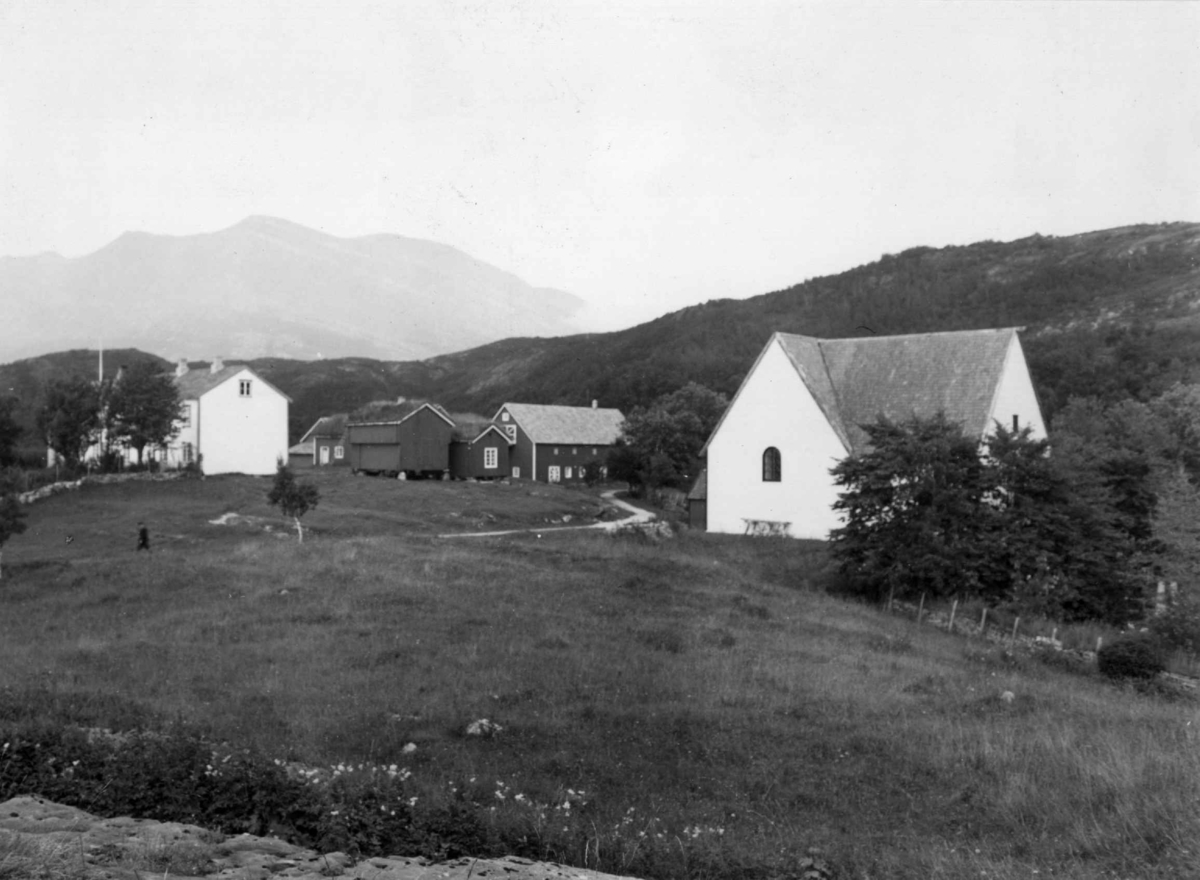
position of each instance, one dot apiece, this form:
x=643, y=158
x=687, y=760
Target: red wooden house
x=552, y=443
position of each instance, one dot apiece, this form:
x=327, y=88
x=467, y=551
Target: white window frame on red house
x=339, y=452
x=491, y=457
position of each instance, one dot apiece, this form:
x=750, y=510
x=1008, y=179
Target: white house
x=233, y=420
x=799, y=410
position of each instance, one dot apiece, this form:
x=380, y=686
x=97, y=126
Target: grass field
x=693, y=707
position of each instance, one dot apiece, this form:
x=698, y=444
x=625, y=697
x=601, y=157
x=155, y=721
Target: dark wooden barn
x=415, y=445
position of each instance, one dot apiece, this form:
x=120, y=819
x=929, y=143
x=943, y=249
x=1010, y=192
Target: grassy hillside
x=692, y=708
x=1114, y=313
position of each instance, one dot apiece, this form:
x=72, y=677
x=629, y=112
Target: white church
x=799, y=410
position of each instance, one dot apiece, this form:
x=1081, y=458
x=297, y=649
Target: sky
x=643, y=155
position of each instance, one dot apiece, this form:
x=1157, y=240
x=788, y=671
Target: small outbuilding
x=478, y=451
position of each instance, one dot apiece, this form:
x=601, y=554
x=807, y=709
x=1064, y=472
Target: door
x=324, y=455
x=554, y=474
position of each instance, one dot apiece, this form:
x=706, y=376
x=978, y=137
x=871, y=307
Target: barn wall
x=425, y=442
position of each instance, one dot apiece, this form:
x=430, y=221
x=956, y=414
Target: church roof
x=855, y=381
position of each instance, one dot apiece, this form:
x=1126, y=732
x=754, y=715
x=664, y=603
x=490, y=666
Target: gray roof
x=195, y=383
x=855, y=381
x=577, y=425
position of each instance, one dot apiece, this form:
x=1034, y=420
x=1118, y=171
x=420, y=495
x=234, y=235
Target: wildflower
x=412, y=802
x=409, y=748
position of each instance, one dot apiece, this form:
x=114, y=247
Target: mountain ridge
x=1111, y=313
x=267, y=286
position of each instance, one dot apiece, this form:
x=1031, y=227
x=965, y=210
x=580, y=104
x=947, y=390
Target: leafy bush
x=1179, y=625
x=1135, y=657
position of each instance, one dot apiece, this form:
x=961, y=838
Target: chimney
x=181, y=367
x=217, y=365
x=595, y=403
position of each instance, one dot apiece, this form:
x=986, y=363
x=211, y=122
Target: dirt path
x=637, y=515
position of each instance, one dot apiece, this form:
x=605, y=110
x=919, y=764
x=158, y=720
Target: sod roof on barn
x=575, y=425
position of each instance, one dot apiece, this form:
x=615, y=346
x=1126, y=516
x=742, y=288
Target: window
x=553, y=475
x=567, y=473
x=187, y=453
x=574, y=451
x=511, y=431
x=593, y=452
x=516, y=472
x=504, y=416
x=491, y=457
x=243, y=387
x=772, y=465
x=339, y=452
x=556, y=450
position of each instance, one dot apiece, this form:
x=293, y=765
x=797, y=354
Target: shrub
x=1131, y=657
x=1179, y=625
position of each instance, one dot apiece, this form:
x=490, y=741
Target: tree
x=11, y=517
x=663, y=440
x=143, y=407
x=926, y=512
x=69, y=419
x=293, y=499
x=1064, y=541
x=10, y=430
x=912, y=510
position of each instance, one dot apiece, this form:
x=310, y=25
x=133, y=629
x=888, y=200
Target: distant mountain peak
x=267, y=286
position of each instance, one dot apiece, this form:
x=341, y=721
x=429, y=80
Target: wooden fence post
x=1012, y=640
x=921, y=608
x=983, y=622
x=953, y=611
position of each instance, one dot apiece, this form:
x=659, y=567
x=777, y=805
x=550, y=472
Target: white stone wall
x=1015, y=395
x=774, y=408
x=242, y=435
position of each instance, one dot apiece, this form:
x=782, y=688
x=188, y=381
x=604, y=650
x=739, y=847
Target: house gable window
x=772, y=465
x=511, y=431
x=243, y=387
x=491, y=457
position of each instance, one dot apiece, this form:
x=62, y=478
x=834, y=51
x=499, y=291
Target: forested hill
x=1114, y=313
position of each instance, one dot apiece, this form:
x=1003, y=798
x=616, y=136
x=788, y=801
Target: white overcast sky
x=644, y=155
